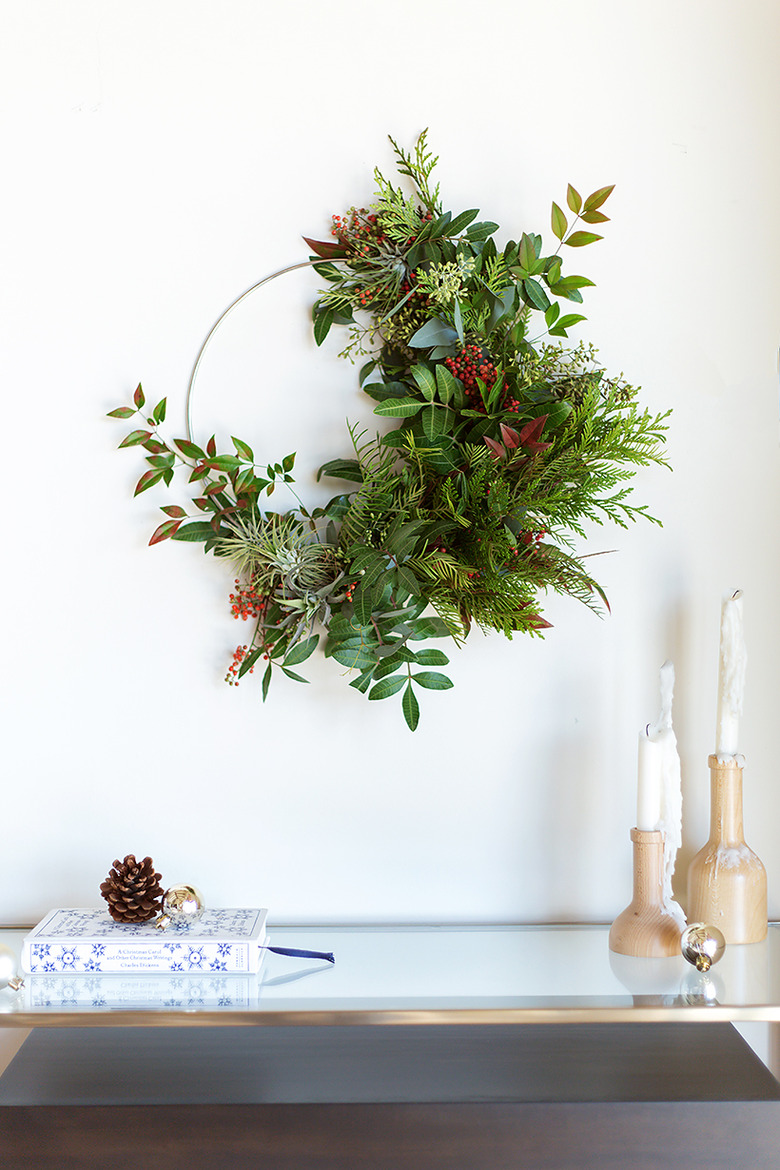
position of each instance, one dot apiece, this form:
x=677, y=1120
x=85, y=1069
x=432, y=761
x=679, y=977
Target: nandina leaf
x=580, y=239
x=155, y=446
x=496, y=449
x=598, y=197
x=531, y=434
x=191, y=450
x=213, y=488
x=122, y=412
x=138, y=396
x=510, y=436
x=135, y=438
x=166, y=530
x=243, y=450
x=173, y=510
x=594, y=217
x=147, y=480
x=158, y=414
x=211, y=447
x=559, y=222
x=573, y=198
x=326, y=248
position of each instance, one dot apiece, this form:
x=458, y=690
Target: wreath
x=502, y=444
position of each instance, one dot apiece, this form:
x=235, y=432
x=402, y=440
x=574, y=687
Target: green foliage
x=503, y=446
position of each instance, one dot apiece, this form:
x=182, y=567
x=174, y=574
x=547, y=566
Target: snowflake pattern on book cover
x=89, y=941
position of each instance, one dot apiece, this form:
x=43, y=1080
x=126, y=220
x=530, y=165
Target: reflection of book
x=88, y=941
x=129, y=991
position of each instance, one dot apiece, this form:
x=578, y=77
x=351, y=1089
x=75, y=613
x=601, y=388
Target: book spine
x=47, y=958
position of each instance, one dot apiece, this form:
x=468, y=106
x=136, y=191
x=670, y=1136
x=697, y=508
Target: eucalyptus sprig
x=496, y=447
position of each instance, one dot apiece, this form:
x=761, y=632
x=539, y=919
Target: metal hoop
x=228, y=310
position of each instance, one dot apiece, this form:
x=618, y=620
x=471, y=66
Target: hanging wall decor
x=497, y=443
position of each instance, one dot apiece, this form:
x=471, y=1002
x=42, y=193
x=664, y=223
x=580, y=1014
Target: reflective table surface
x=418, y=975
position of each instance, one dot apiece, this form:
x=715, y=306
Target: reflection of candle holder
x=726, y=880
x=645, y=928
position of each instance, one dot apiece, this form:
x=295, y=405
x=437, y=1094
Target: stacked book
x=89, y=942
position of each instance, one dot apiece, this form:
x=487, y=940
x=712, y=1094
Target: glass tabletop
x=418, y=974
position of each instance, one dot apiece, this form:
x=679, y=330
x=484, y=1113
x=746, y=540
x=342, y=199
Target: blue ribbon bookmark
x=296, y=954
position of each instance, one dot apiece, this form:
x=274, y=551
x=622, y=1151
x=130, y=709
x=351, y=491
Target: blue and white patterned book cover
x=88, y=941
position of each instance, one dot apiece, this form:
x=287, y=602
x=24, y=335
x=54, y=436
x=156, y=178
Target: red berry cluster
x=239, y=654
x=246, y=602
x=355, y=229
x=469, y=365
x=532, y=539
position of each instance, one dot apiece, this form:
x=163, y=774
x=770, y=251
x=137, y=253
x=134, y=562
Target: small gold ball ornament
x=9, y=970
x=702, y=945
x=181, y=906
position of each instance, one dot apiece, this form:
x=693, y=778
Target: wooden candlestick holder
x=726, y=880
x=645, y=929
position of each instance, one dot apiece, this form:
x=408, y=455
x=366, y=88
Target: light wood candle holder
x=726, y=880
x=645, y=929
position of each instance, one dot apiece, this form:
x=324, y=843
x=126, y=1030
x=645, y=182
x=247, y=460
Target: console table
x=438, y=1046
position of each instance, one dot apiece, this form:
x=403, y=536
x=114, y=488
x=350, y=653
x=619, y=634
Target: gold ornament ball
x=9, y=976
x=702, y=945
x=181, y=906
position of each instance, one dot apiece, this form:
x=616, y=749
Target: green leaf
x=431, y=657
x=122, y=412
x=551, y=315
x=535, y=294
x=147, y=480
x=267, y=680
x=348, y=469
x=398, y=408
x=174, y=510
x=135, y=438
x=243, y=450
x=594, y=217
x=388, y=686
x=354, y=658
x=138, y=397
x=301, y=651
x=432, y=680
x=598, y=197
x=425, y=380
x=363, y=681
x=191, y=450
x=559, y=222
x=446, y=385
x=527, y=255
x=434, y=332
x=288, y=462
x=160, y=460
x=481, y=231
x=573, y=198
x=323, y=319
x=197, y=531
x=580, y=239
x=383, y=390
x=432, y=422
x=158, y=414
x=461, y=221
x=224, y=463
x=431, y=627
x=291, y=674
x=411, y=708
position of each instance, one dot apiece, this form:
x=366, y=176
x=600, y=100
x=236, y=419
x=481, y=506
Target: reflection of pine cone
x=132, y=890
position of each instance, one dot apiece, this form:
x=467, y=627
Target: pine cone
x=132, y=890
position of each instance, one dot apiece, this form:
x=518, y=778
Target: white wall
x=160, y=157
